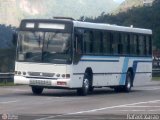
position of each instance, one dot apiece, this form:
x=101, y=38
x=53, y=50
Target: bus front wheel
x=37, y=90
x=85, y=88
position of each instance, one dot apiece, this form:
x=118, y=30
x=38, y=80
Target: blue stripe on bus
x=124, y=70
x=90, y=59
x=87, y=56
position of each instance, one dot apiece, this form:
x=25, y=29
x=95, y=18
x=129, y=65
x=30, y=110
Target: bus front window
x=56, y=47
x=30, y=46
x=46, y=47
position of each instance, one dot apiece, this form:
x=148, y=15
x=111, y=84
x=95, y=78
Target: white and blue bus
x=69, y=54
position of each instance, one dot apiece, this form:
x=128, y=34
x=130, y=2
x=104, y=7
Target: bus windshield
x=45, y=47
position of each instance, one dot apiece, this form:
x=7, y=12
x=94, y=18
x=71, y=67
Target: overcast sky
x=119, y=1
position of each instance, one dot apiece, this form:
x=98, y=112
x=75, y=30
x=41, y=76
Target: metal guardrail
x=6, y=77
x=156, y=72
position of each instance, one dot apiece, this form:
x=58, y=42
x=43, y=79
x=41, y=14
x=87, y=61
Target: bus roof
x=111, y=27
x=101, y=26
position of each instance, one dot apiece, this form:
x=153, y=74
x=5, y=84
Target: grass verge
x=156, y=78
x=7, y=84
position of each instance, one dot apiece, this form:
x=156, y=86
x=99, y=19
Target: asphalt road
x=18, y=102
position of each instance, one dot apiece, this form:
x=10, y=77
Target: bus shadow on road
x=72, y=93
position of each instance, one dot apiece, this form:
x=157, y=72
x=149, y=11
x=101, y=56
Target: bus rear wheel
x=85, y=88
x=128, y=84
x=37, y=90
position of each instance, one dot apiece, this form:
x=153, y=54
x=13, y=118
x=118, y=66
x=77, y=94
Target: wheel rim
x=86, y=84
x=128, y=82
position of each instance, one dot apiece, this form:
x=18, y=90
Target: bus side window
x=141, y=40
x=112, y=43
x=128, y=49
x=97, y=42
x=114, y=38
x=79, y=44
x=88, y=42
x=106, y=43
x=136, y=44
x=132, y=45
x=145, y=45
x=125, y=43
x=148, y=45
x=120, y=44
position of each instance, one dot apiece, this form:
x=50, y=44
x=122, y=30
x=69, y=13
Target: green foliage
x=7, y=48
x=156, y=78
x=7, y=60
x=6, y=83
x=141, y=17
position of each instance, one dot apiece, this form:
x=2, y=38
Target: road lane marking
x=132, y=110
x=143, y=106
x=156, y=110
x=99, y=109
x=106, y=108
x=6, y=102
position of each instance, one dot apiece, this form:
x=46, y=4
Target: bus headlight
x=67, y=75
x=58, y=75
x=24, y=73
x=63, y=75
x=19, y=72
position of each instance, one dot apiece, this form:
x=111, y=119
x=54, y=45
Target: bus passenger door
x=78, y=69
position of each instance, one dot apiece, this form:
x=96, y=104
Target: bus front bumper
x=42, y=82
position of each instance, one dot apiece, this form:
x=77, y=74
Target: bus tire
x=128, y=84
x=117, y=89
x=91, y=89
x=85, y=88
x=37, y=90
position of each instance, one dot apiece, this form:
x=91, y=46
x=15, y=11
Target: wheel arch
x=89, y=75
x=89, y=72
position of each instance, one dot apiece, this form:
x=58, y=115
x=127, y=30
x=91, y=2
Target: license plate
x=40, y=82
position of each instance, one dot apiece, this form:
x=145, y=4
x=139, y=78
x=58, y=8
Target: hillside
x=12, y=11
x=129, y=4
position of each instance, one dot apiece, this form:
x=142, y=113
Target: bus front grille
x=41, y=74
